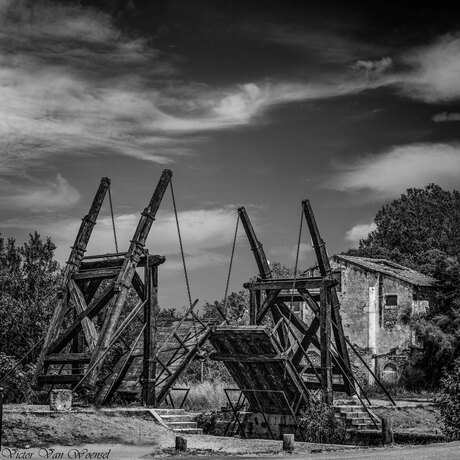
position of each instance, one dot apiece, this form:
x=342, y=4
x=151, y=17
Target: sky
x=250, y=103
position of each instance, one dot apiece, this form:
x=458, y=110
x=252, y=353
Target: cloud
x=434, y=71
x=391, y=172
x=378, y=66
x=359, y=232
x=445, y=116
x=287, y=252
x=50, y=196
x=206, y=233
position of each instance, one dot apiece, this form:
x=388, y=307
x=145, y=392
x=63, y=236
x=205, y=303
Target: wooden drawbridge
x=105, y=333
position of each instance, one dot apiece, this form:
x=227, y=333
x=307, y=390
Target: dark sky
x=254, y=103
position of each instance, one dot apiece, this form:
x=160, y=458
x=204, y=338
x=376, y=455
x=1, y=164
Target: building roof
x=389, y=268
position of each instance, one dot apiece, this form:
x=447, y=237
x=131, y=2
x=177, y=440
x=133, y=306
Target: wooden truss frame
x=98, y=286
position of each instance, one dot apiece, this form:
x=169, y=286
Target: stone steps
x=179, y=421
x=355, y=417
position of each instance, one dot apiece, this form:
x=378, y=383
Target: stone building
x=377, y=298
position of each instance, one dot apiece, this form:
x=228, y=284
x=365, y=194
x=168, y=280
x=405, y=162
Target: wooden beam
x=73, y=265
x=97, y=273
x=267, y=303
x=117, y=262
x=287, y=284
x=236, y=358
x=138, y=285
x=306, y=341
x=89, y=329
x=95, y=306
x=126, y=274
x=150, y=339
x=325, y=270
x=65, y=358
x=325, y=334
x=89, y=289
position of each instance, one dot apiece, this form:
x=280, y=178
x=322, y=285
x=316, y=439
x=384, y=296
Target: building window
x=390, y=374
x=391, y=300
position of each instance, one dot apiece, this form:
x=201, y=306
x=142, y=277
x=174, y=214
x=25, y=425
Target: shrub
x=207, y=421
x=318, y=423
x=18, y=385
x=448, y=402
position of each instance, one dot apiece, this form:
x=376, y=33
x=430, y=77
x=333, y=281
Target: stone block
x=61, y=400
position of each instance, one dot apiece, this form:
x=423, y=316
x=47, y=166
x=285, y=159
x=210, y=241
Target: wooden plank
x=59, y=378
x=89, y=329
x=286, y=284
x=247, y=358
x=99, y=273
x=95, y=306
x=64, y=358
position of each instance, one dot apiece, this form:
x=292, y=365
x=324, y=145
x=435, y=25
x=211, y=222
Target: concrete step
x=174, y=425
x=188, y=430
x=178, y=418
x=357, y=414
x=162, y=412
x=348, y=408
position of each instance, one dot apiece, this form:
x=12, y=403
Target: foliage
x=421, y=230
x=29, y=278
x=319, y=423
x=207, y=421
x=17, y=385
x=448, y=402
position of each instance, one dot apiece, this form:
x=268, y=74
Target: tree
x=421, y=230
x=29, y=278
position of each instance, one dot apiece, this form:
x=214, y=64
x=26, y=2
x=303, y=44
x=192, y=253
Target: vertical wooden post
x=252, y=307
x=387, y=430
x=150, y=339
x=1, y=416
x=325, y=331
x=325, y=271
x=288, y=442
x=181, y=444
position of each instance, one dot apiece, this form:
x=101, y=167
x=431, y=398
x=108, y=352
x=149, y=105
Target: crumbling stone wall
x=390, y=338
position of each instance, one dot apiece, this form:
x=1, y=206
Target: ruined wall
x=375, y=310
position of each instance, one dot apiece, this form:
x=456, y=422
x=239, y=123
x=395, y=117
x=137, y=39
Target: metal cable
x=180, y=244
x=113, y=221
x=231, y=263
x=296, y=262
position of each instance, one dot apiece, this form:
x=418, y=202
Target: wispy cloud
x=446, y=116
x=433, y=71
x=288, y=253
x=49, y=196
x=206, y=234
x=359, y=232
x=391, y=172
x=376, y=67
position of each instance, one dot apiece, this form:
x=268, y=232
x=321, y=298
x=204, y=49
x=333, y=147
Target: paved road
x=444, y=451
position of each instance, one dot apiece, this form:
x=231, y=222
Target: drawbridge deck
x=261, y=369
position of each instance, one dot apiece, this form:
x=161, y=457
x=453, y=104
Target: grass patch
x=206, y=396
